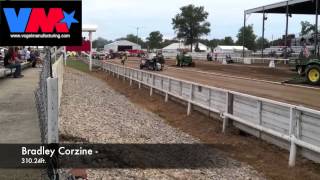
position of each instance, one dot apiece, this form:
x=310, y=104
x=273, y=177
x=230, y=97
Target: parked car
x=99, y=55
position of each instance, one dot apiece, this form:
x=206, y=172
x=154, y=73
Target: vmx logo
x=31, y=20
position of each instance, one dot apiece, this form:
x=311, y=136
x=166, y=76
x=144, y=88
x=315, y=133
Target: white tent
x=122, y=45
x=229, y=49
x=177, y=46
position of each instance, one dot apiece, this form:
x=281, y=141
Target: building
x=175, y=47
x=122, y=45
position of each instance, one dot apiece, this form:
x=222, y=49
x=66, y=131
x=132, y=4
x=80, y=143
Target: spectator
x=11, y=61
x=33, y=57
x=19, y=53
x=27, y=54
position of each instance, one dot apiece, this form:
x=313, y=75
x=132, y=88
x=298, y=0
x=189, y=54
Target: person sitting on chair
x=11, y=61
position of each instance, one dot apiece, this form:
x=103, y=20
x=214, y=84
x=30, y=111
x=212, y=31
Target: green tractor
x=309, y=67
x=184, y=59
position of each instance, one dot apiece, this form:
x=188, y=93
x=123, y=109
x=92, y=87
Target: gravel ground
x=91, y=110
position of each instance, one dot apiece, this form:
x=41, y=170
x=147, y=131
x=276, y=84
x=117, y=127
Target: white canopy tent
x=174, y=47
x=229, y=49
x=122, y=45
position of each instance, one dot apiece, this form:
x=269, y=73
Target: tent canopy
x=176, y=46
x=295, y=7
x=234, y=48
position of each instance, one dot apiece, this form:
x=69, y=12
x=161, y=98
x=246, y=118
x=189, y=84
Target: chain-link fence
x=41, y=98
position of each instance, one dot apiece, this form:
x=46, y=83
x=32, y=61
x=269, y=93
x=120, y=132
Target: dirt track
x=289, y=94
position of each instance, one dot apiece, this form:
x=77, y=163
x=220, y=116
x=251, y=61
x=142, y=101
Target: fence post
x=167, y=93
x=140, y=79
x=53, y=113
x=151, y=87
x=181, y=88
x=118, y=72
x=124, y=73
x=259, y=111
x=190, y=100
x=229, y=110
x=293, y=146
x=65, y=55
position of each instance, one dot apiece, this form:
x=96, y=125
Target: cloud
x=118, y=18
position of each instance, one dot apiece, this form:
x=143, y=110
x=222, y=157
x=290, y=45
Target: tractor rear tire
x=313, y=74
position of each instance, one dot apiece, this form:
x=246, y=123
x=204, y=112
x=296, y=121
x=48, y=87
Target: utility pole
x=316, y=30
x=264, y=18
x=138, y=29
x=138, y=35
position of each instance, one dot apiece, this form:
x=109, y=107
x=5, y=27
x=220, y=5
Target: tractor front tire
x=313, y=74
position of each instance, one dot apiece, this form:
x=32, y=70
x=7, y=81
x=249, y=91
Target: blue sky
x=117, y=18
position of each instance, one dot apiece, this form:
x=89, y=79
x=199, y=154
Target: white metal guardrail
x=283, y=124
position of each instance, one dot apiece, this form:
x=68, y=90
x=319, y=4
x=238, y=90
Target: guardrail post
x=162, y=83
x=293, y=146
x=124, y=73
x=140, y=79
x=229, y=110
x=190, y=100
x=53, y=113
x=65, y=55
x=259, y=109
x=118, y=72
x=130, y=77
x=152, y=85
x=169, y=89
x=181, y=88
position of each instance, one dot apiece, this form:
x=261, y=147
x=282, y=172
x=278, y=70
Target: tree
x=228, y=41
x=191, y=24
x=155, y=40
x=249, y=37
x=306, y=28
x=259, y=42
x=100, y=42
x=215, y=42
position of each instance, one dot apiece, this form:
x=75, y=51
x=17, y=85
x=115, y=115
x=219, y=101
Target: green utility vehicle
x=184, y=59
x=309, y=67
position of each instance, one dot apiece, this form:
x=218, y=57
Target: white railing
x=270, y=120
